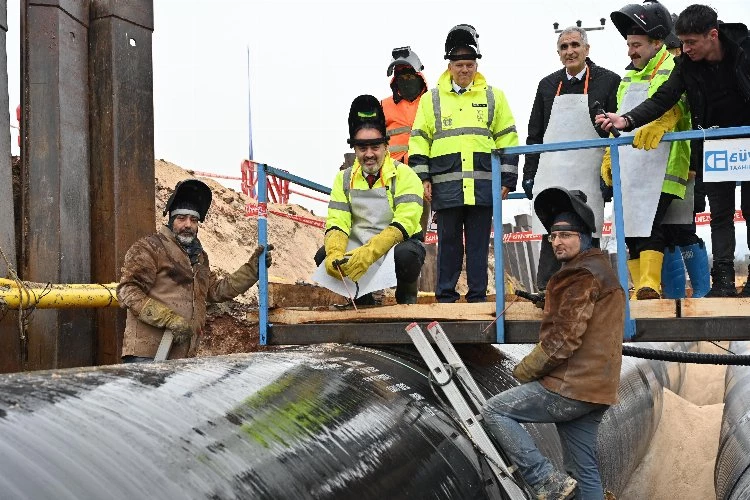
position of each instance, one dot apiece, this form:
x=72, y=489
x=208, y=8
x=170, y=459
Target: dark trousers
x=472, y=223
x=721, y=200
x=409, y=256
x=680, y=235
x=657, y=240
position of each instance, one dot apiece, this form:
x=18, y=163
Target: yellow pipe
x=56, y=296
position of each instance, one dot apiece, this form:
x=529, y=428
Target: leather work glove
x=528, y=188
x=648, y=136
x=534, y=366
x=606, y=169
x=335, y=245
x=360, y=259
x=157, y=314
x=247, y=275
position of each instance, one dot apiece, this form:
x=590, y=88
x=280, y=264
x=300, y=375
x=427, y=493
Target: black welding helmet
x=404, y=56
x=556, y=200
x=366, y=112
x=672, y=42
x=462, y=36
x=649, y=18
x=190, y=195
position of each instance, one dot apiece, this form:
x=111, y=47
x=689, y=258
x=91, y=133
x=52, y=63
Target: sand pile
x=680, y=461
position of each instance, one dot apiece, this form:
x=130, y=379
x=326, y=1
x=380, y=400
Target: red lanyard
x=585, y=85
x=656, y=68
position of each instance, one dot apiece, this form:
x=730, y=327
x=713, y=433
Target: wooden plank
x=715, y=307
x=516, y=332
x=412, y=312
x=660, y=308
x=301, y=295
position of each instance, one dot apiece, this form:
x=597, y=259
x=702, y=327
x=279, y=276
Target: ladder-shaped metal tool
x=447, y=377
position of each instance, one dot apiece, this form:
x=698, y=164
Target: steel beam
x=55, y=174
x=516, y=332
x=10, y=360
x=122, y=147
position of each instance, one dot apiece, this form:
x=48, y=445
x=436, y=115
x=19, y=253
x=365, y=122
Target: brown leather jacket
x=582, y=329
x=157, y=267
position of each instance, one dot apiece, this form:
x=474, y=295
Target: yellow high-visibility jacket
x=405, y=195
x=452, y=138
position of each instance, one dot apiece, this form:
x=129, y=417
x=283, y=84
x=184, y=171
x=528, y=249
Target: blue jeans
x=577, y=423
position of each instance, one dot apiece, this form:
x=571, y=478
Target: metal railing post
x=262, y=240
x=497, y=223
x=622, y=265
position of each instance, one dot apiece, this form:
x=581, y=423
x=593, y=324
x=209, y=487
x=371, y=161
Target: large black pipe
x=325, y=421
x=732, y=470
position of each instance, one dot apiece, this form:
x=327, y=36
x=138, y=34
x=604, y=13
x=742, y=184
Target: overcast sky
x=308, y=60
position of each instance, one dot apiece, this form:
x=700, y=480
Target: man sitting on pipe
x=376, y=204
x=166, y=280
x=571, y=376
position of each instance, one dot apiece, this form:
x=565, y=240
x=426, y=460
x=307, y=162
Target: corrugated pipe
x=732, y=470
x=325, y=421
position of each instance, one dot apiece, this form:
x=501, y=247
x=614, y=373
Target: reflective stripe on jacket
x=399, y=117
x=405, y=195
x=676, y=175
x=452, y=138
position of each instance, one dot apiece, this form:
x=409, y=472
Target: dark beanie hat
x=573, y=220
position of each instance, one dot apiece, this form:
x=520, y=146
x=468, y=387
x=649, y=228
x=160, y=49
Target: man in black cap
x=572, y=375
x=166, y=280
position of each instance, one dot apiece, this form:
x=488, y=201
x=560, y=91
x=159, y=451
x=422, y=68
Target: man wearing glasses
x=571, y=376
x=714, y=72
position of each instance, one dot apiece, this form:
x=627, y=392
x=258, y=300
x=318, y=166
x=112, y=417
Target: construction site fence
x=264, y=171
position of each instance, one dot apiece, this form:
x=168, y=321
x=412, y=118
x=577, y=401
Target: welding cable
x=686, y=357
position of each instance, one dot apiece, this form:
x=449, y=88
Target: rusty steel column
x=55, y=168
x=122, y=147
x=9, y=345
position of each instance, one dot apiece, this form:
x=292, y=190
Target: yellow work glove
x=649, y=135
x=335, y=245
x=534, y=366
x=157, y=314
x=360, y=259
x=247, y=275
x=607, y=168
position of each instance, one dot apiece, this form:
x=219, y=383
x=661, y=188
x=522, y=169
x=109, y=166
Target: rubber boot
x=723, y=280
x=651, y=262
x=406, y=293
x=673, y=274
x=696, y=262
x=634, y=266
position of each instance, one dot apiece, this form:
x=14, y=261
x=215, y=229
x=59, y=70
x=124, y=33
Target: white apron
x=641, y=173
x=580, y=169
x=371, y=213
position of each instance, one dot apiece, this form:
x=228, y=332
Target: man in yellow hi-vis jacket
x=375, y=205
x=457, y=126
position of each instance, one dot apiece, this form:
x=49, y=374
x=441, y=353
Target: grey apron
x=371, y=213
x=641, y=172
x=577, y=169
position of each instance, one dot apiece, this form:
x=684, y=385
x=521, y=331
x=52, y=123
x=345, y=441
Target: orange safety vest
x=398, y=121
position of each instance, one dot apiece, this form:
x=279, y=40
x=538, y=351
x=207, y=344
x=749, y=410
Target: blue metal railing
x=613, y=144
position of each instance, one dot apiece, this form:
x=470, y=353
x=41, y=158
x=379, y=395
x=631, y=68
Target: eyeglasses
x=563, y=235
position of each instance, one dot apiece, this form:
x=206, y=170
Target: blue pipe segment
x=262, y=240
x=497, y=224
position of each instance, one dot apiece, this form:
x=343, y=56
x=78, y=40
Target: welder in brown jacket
x=166, y=280
x=572, y=375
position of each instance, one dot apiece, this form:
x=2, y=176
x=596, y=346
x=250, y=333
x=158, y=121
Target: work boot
x=650, y=281
x=673, y=274
x=722, y=284
x=634, y=266
x=406, y=293
x=365, y=300
x=696, y=263
x=557, y=486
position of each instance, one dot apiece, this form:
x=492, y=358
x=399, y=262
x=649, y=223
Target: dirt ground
x=680, y=461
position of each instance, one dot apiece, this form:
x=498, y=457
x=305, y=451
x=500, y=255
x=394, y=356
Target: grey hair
x=574, y=29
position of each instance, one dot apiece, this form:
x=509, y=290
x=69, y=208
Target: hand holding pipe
x=600, y=111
